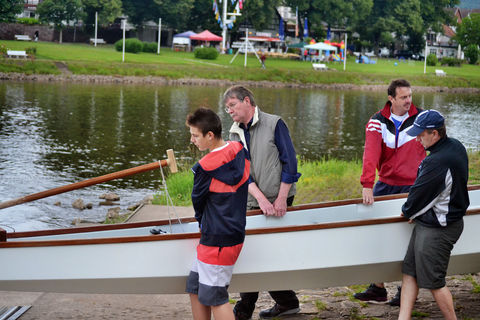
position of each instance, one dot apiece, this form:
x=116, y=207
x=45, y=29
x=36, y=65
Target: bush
x=472, y=53
x=29, y=21
x=432, y=60
x=206, y=53
x=150, y=47
x=451, y=62
x=31, y=51
x=3, y=50
x=132, y=45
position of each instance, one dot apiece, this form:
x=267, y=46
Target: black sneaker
x=240, y=315
x=277, y=311
x=395, y=301
x=372, y=294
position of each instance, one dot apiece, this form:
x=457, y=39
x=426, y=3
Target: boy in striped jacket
x=219, y=198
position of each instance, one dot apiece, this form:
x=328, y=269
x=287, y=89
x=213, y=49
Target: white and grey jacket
x=439, y=195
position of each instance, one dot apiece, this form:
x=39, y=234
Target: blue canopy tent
x=320, y=46
x=183, y=40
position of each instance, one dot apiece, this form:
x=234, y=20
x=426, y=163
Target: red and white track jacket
x=395, y=157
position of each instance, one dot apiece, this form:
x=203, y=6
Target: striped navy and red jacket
x=396, y=157
x=219, y=195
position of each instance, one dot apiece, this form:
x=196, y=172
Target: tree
x=107, y=10
x=202, y=17
x=59, y=12
x=140, y=11
x=407, y=19
x=335, y=13
x=468, y=32
x=260, y=13
x=174, y=13
x=472, y=52
x=9, y=9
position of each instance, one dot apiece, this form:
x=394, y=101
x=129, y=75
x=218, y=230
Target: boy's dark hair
x=205, y=120
x=399, y=83
x=239, y=92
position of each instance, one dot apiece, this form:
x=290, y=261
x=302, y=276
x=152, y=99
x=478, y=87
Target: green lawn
x=105, y=60
x=324, y=180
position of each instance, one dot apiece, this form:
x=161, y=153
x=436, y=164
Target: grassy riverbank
x=83, y=59
x=325, y=180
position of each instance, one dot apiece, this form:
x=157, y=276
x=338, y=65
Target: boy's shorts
x=429, y=252
x=211, y=273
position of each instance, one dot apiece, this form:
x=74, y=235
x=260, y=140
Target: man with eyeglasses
x=273, y=174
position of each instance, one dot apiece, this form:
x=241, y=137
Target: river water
x=52, y=134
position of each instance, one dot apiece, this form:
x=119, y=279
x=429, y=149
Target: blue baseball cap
x=428, y=119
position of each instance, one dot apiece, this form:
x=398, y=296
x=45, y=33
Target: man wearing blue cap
x=436, y=203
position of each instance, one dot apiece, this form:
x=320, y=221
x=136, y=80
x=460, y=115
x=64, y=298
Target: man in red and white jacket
x=396, y=156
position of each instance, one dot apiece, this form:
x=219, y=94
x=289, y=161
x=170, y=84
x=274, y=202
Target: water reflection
x=56, y=134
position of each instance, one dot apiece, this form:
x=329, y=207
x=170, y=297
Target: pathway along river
x=52, y=134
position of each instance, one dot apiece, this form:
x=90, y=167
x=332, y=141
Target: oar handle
x=171, y=162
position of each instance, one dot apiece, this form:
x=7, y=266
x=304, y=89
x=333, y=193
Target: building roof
x=448, y=31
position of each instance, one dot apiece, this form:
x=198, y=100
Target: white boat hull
x=305, y=249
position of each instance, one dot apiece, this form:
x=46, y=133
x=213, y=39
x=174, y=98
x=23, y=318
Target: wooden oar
x=82, y=184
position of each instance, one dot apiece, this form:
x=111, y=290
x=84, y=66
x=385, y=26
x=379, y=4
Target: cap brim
x=415, y=131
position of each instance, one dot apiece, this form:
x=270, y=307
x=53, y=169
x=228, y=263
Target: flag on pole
x=305, y=28
x=281, y=30
x=296, y=22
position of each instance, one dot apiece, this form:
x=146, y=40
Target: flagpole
x=159, y=34
x=96, y=22
x=425, y=62
x=246, y=46
x=224, y=21
x=123, y=44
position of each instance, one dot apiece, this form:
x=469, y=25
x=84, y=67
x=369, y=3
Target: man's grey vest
x=265, y=165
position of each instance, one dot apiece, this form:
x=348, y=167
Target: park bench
x=16, y=54
x=22, y=37
x=319, y=66
x=440, y=73
x=99, y=41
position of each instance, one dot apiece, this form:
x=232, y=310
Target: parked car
x=405, y=54
x=383, y=52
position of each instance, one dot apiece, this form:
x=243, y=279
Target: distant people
x=305, y=54
x=262, y=59
x=272, y=180
x=36, y=36
x=436, y=204
x=220, y=209
x=395, y=155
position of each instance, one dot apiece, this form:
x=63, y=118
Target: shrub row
x=134, y=45
x=29, y=21
x=432, y=60
x=206, y=53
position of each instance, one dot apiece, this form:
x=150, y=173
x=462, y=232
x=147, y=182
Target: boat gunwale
x=129, y=225
x=191, y=235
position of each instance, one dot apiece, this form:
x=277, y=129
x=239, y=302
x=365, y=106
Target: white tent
x=320, y=46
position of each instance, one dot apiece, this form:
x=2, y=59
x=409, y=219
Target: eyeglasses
x=232, y=106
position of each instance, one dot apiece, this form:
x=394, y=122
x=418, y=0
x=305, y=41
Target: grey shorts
x=428, y=254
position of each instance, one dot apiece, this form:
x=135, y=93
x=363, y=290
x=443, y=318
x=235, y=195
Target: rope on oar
x=169, y=202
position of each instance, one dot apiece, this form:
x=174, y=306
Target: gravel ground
x=329, y=303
